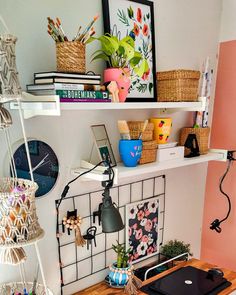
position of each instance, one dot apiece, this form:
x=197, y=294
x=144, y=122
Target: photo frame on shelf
x=142, y=229
x=103, y=144
x=135, y=18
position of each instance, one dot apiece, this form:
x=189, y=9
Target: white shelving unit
x=50, y=106
x=122, y=172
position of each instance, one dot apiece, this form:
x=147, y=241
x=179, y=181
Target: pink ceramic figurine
x=122, y=78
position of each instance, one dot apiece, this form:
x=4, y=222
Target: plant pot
x=118, y=276
x=130, y=152
x=162, y=129
x=122, y=78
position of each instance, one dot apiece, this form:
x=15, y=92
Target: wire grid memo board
x=79, y=263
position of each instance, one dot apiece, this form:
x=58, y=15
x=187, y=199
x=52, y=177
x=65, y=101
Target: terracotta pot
x=122, y=78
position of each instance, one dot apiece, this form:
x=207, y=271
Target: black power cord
x=108, y=183
x=215, y=225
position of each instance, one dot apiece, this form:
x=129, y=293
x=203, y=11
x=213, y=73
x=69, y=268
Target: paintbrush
x=88, y=35
x=89, y=26
x=143, y=129
x=59, y=26
x=124, y=129
x=78, y=33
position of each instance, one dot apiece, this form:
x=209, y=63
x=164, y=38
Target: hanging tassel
x=79, y=240
x=133, y=284
x=12, y=256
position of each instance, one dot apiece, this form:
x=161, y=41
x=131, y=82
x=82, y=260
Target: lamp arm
x=67, y=187
x=215, y=225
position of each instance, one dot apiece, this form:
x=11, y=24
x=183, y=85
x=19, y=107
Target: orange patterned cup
x=162, y=128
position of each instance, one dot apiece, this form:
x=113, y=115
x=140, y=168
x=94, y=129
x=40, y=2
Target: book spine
x=82, y=94
x=62, y=86
x=65, y=75
x=67, y=81
x=74, y=100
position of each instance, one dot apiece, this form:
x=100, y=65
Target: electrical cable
x=64, y=194
x=215, y=225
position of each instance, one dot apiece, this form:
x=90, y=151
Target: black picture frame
x=107, y=29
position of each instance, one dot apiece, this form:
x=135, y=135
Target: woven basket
x=18, y=219
x=202, y=135
x=71, y=57
x=135, y=128
x=18, y=288
x=149, y=145
x=149, y=152
x=178, y=85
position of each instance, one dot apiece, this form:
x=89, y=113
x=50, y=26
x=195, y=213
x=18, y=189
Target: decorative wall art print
x=135, y=18
x=142, y=229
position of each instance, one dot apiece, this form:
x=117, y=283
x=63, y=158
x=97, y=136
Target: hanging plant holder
x=9, y=80
x=18, y=218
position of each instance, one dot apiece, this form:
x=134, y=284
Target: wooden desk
x=103, y=289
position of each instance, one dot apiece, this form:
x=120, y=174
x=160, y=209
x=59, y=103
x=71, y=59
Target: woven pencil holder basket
x=71, y=57
x=18, y=218
x=135, y=128
x=178, y=85
x=202, y=135
x=149, y=152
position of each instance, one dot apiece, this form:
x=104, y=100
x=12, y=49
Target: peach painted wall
x=221, y=248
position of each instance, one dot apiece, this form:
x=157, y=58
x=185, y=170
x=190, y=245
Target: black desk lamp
x=110, y=215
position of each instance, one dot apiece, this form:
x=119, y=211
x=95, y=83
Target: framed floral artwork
x=142, y=229
x=135, y=18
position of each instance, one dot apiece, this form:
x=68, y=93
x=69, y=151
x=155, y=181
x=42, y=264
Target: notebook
x=185, y=281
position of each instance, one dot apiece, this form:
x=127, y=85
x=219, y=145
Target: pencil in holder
x=71, y=57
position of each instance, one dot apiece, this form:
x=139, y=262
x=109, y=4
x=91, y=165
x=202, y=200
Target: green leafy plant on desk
x=174, y=248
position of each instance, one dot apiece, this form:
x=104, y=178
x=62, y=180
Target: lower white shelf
x=122, y=172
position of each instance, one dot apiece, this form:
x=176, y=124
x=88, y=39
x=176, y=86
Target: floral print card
x=142, y=229
x=135, y=18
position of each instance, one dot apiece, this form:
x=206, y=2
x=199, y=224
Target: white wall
x=186, y=32
x=228, y=23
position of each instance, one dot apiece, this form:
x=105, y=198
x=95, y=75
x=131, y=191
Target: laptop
x=187, y=281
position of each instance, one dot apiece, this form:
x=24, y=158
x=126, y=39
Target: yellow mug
x=162, y=128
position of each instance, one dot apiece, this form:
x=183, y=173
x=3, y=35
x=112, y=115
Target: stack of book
x=71, y=87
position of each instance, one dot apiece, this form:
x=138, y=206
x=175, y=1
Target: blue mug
x=130, y=151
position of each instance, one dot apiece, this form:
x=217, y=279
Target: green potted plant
x=123, y=61
x=121, y=269
x=174, y=248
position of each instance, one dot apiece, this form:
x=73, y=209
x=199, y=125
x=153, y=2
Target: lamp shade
x=111, y=219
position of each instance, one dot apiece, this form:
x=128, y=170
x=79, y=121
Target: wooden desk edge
x=102, y=289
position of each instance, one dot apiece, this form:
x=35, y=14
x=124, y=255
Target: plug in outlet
x=230, y=155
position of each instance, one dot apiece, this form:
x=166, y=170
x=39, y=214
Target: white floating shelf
x=50, y=105
x=181, y=106
x=33, y=105
x=123, y=172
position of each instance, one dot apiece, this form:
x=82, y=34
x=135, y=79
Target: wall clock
x=45, y=165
